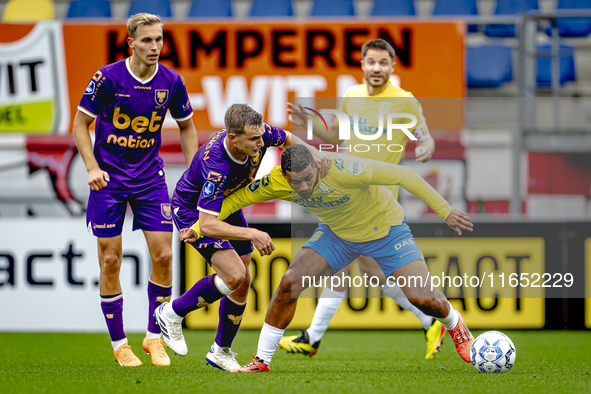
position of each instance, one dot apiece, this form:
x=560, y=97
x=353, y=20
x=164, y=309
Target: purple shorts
x=150, y=205
x=207, y=246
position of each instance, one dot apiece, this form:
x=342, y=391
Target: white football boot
x=172, y=331
x=225, y=360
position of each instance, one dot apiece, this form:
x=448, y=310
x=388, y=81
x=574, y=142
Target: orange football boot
x=463, y=339
x=155, y=348
x=125, y=357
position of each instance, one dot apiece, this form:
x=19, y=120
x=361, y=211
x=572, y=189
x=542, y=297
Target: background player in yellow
x=377, y=95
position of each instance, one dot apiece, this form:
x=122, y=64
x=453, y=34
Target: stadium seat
x=572, y=27
x=271, y=8
x=489, y=66
x=544, y=61
x=393, y=8
x=28, y=11
x=210, y=9
x=89, y=9
x=509, y=7
x=156, y=7
x=333, y=8
x=456, y=7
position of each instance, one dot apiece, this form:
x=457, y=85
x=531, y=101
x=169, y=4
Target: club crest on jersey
x=161, y=96
x=323, y=187
x=208, y=189
x=166, y=211
x=256, y=159
x=90, y=88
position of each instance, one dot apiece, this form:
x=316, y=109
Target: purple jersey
x=129, y=114
x=214, y=174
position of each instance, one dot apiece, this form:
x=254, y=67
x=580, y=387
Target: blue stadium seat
x=210, y=9
x=333, y=8
x=489, y=66
x=544, y=60
x=572, y=27
x=393, y=8
x=156, y=7
x=509, y=7
x=457, y=7
x=271, y=8
x=89, y=9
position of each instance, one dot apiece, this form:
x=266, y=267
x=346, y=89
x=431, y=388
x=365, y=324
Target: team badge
x=384, y=107
x=324, y=188
x=254, y=186
x=166, y=211
x=90, y=88
x=339, y=163
x=256, y=159
x=161, y=96
x=208, y=189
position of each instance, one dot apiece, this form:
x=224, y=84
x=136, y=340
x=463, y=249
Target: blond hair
x=143, y=19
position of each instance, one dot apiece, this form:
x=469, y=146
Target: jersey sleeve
x=96, y=94
x=421, y=131
x=274, y=136
x=270, y=187
x=393, y=174
x=180, y=104
x=211, y=197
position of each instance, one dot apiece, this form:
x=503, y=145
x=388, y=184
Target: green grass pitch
x=350, y=362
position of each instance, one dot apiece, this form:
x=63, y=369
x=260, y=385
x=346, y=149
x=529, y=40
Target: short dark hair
x=296, y=158
x=238, y=116
x=380, y=44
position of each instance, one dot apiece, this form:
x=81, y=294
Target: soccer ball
x=492, y=352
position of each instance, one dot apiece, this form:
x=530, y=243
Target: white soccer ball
x=492, y=352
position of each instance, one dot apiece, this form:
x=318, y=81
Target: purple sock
x=156, y=296
x=203, y=293
x=230, y=319
x=113, y=310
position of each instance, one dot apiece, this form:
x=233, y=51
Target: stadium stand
x=271, y=8
x=89, y=9
x=157, y=7
x=393, y=8
x=209, y=9
x=489, y=66
x=28, y=11
x=567, y=64
x=509, y=7
x=456, y=7
x=333, y=8
x=572, y=27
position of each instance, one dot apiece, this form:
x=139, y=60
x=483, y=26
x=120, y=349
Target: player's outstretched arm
x=458, y=221
x=210, y=226
x=97, y=178
x=298, y=118
x=270, y=187
x=189, y=141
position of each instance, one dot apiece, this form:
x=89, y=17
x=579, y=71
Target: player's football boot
x=125, y=357
x=155, y=348
x=462, y=338
x=172, y=331
x=224, y=360
x=434, y=335
x=299, y=344
x=257, y=365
